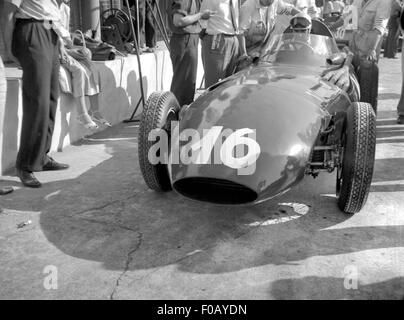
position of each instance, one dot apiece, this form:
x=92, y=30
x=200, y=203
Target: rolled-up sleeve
x=283, y=7
x=382, y=15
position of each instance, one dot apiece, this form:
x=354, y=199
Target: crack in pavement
x=206, y=248
x=127, y=264
x=103, y=206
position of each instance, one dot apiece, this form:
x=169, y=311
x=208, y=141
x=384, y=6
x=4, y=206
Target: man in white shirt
x=31, y=38
x=257, y=21
x=220, y=46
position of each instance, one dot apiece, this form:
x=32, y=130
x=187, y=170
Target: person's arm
x=180, y=21
x=8, y=23
x=246, y=12
x=380, y=25
x=286, y=8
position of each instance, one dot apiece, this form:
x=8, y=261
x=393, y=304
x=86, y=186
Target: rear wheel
x=160, y=109
x=357, y=158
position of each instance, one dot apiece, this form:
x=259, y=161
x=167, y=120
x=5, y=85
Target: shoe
x=52, y=165
x=6, y=190
x=97, y=117
x=400, y=119
x=28, y=179
x=88, y=123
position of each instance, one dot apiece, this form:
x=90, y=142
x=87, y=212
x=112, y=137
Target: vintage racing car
x=268, y=126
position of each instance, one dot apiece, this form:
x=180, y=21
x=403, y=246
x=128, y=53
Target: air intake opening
x=215, y=191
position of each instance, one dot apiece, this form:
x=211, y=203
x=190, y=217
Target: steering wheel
x=293, y=43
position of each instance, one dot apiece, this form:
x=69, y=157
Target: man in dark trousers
x=29, y=25
x=220, y=46
x=184, y=24
x=390, y=49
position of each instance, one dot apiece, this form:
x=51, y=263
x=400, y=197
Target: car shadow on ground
x=108, y=215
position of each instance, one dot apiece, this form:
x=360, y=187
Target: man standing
x=29, y=25
x=373, y=16
x=257, y=23
x=220, y=46
x=183, y=20
x=390, y=49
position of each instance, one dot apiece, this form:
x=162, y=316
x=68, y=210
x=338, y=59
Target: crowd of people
x=231, y=33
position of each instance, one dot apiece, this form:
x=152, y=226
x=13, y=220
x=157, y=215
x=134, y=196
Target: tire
x=368, y=76
x=160, y=109
x=358, y=156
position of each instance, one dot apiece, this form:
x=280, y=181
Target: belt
x=222, y=34
x=33, y=20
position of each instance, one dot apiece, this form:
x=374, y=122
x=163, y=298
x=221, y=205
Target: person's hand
x=339, y=77
x=243, y=61
x=68, y=42
x=371, y=56
x=10, y=58
x=64, y=56
x=205, y=15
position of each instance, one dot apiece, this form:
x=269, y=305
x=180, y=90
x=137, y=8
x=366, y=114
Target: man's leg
x=400, y=106
x=54, y=97
x=213, y=60
x=184, y=56
x=219, y=57
x=34, y=49
x=231, y=55
x=150, y=29
x=142, y=17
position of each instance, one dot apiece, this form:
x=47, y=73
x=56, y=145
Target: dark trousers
x=184, y=57
x=390, y=49
x=36, y=49
x=147, y=29
x=219, y=57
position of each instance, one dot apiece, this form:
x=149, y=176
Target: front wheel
x=160, y=109
x=357, y=159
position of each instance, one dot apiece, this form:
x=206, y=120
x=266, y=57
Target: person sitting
x=84, y=76
x=301, y=27
x=257, y=21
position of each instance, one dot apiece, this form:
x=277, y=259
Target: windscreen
x=300, y=49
